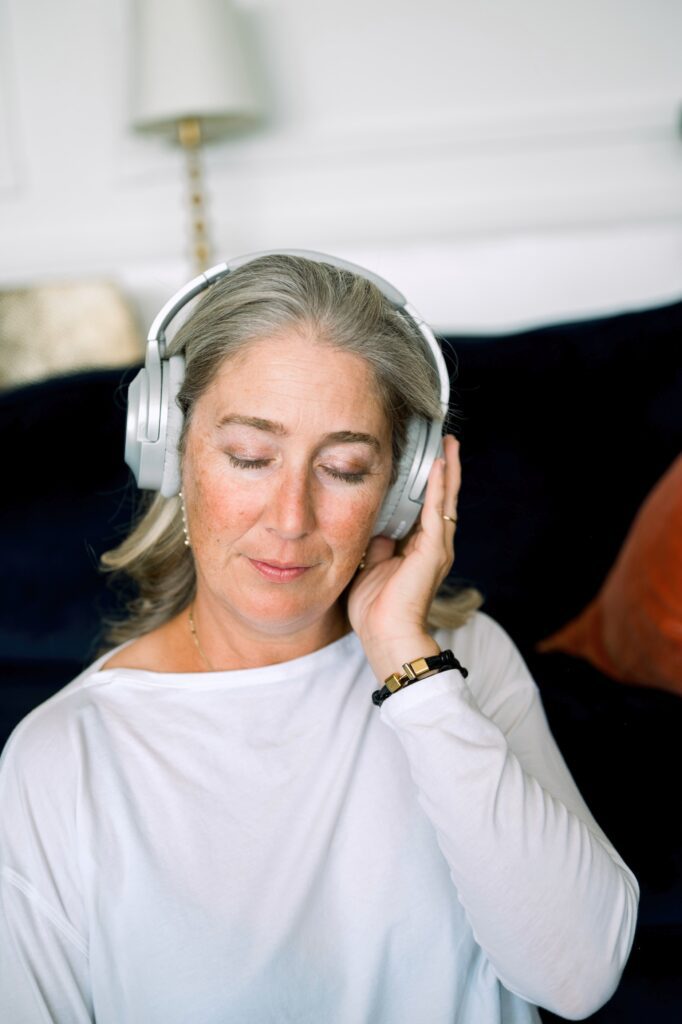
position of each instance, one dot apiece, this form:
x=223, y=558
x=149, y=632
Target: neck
x=222, y=643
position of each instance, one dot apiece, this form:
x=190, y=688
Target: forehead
x=293, y=374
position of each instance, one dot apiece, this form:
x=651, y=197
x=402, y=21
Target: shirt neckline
x=304, y=666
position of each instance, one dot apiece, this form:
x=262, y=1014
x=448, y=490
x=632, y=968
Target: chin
x=281, y=617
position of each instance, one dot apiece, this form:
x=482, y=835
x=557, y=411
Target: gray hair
x=264, y=299
x=275, y=293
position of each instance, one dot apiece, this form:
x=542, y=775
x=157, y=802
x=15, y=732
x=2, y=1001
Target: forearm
x=548, y=898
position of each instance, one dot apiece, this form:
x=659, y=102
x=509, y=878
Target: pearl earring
x=184, y=519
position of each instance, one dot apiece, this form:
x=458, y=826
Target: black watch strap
x=412, y=671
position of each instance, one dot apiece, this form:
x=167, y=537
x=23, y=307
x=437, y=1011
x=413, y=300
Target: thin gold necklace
x=193, y=630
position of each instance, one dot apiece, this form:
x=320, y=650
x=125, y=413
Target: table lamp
x=193, y=84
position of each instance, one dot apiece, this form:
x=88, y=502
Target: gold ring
x=450, y=519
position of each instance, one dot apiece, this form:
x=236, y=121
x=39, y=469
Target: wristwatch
x=412, y=671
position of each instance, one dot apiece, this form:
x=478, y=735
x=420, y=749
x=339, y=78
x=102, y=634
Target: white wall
x=503, y=162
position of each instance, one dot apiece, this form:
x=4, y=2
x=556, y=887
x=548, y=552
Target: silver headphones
x=155, y=420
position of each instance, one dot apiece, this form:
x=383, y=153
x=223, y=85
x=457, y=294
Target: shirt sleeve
x=549, y=900
x=44, y=971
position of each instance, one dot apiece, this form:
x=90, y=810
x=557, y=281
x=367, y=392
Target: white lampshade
x=190, y=62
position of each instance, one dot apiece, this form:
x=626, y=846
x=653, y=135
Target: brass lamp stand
x=189, y=137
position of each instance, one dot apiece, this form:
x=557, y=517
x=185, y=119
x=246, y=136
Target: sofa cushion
x=632, y=629
x=564, y=431
x=68, y=498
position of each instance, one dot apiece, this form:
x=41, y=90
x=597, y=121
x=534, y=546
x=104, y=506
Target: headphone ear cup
x=398, y=514
x=136, y=422
x=174, y=374
x=156, y=463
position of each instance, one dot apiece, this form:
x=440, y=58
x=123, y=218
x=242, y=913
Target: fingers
x=440, y=500
x=443, y=487
x=432, y=522
x=453, y=476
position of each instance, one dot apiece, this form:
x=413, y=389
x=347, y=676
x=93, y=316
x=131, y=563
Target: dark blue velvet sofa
x=564, y=431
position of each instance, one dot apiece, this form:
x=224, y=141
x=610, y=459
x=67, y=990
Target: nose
x=291, y=513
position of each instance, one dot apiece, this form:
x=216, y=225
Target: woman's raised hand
x=390, y=597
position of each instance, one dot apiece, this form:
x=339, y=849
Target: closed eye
x=349, y=478
x=335, y=474
x=247, y=463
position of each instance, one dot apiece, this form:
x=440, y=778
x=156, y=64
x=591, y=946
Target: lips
x=279, y=572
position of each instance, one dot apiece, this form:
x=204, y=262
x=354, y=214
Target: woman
x=215, y=822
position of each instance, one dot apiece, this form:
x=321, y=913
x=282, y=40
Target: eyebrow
x=272, y=427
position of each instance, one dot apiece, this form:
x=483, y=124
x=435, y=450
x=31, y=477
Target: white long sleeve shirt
x=265, y=846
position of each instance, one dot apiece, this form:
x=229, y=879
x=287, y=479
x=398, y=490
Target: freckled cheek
x=347, y=524
x=220, y=510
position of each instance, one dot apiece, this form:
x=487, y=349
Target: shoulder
x=44, y=735
x=40, y=763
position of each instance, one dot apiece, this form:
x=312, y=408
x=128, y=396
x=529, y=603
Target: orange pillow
x=632, y=630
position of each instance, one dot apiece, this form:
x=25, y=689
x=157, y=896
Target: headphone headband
x=155, y=421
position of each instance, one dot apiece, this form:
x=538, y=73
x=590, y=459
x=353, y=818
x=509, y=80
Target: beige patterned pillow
x=60, y=328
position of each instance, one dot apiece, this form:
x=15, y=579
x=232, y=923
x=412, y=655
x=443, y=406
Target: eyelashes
x=335, y=474
x=247, y=463
x=349, y=478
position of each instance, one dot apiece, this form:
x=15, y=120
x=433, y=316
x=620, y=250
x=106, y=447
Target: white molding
x=573, y=166
x=485, y=284
x=450, y=131
x=445, y=134
x=9, y=154
x=502, y=284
